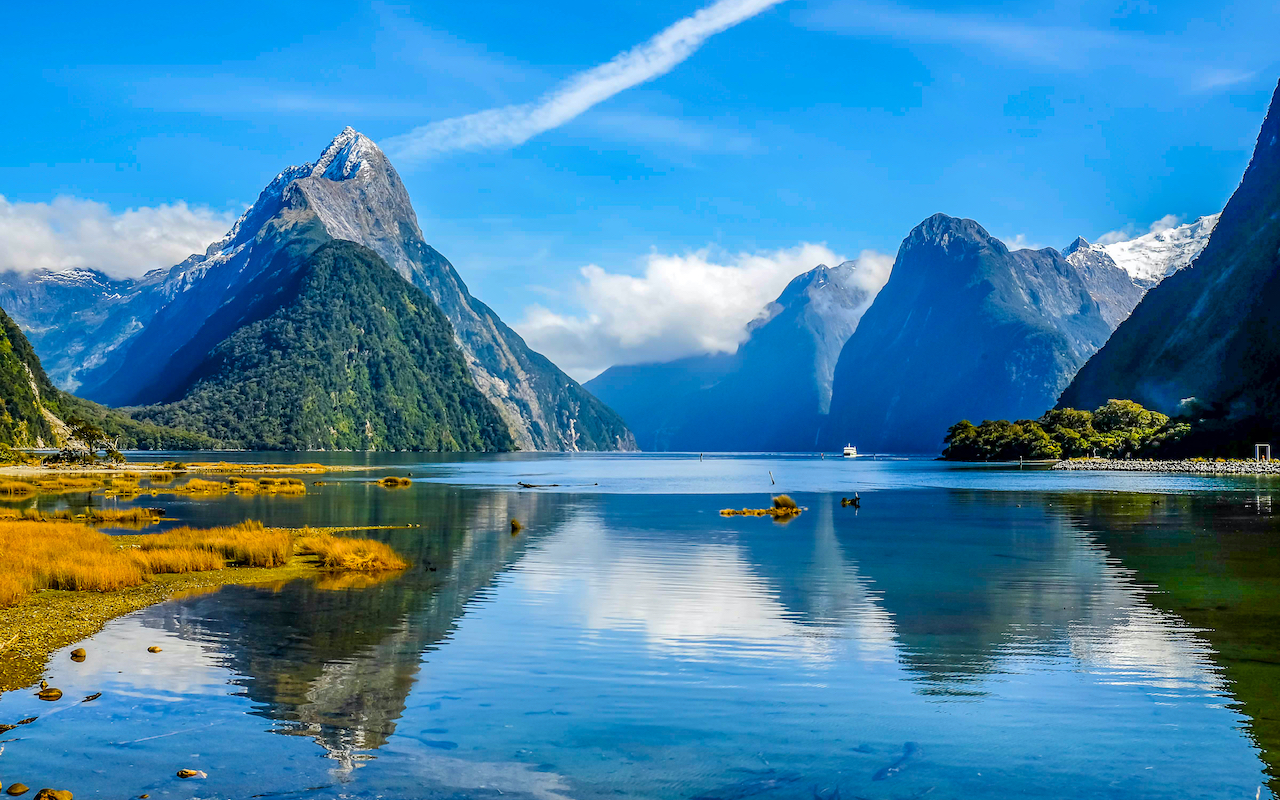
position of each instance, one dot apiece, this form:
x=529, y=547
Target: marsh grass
x=248, y=544
x=178, y=560
x=392, y=482
x=124, y=516
x=45, y=555
x=38, y=554
x=784, y=501
x=161, y=478
x=35, y=515
x=202, y=486
x=350, y=555
x=16, y=488
x=268, y=486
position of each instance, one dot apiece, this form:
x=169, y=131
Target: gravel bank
x=1188, y=466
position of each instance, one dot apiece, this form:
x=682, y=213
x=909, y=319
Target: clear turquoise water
x=968, y=632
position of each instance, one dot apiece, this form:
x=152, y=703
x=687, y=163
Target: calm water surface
x=969, y=632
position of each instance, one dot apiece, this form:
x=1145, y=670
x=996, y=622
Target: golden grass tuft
x=16, y=488
x=124, y=516
x=43, y=555
x=178, y=560
x=70, y=483
x=202, y=486
x=785, y=501
x=248, y=544
x=35, y=514
x=351, y=555
x=393, y=482
x=159, y=478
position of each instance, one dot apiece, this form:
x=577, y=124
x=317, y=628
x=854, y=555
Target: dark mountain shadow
x=336, y=659
x=1214, y=561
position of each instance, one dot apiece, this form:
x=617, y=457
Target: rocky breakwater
x=1190, y=465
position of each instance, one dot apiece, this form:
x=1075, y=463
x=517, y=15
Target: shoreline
x=1184, y=466
x=202, y=467
x=49, y=620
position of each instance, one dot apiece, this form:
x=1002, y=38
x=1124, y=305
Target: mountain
x=1120, y=273
x=128, y=334
x=964, y=328
x=1116, y=292
x=35, y=413
x=769, y=395
x=365, y=360
x=1208, y=337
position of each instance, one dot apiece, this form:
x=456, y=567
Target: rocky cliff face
x=1116, y=292
x=963, y=329
x=1206, y=339
x=350, y=192
x=772, y=393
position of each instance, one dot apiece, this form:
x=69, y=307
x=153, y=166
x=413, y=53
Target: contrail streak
x=513, y=125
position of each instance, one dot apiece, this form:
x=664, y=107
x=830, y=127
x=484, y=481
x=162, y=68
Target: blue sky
x=837, y=123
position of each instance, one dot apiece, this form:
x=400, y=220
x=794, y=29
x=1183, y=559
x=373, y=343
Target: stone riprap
x=1189, y=466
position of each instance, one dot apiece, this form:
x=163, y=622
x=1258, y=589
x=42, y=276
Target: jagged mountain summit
x=141, y=340
x=769, y=395
x=1206, y=341
x=964, y=328
x=366, y=361
x=1115, y=290
x=1120, y=273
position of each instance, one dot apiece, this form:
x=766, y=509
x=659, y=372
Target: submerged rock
x=78, y=654
x=16, y=789
x=191, y=773
x=49, y=694
x=53, y=794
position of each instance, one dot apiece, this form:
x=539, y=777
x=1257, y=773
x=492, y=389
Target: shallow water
x=968, y=632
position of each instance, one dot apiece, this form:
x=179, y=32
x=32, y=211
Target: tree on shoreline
x=1118, y=429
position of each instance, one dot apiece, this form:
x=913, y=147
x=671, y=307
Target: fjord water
x=966, y=632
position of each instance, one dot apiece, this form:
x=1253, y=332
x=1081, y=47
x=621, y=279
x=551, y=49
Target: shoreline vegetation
x=62, y=581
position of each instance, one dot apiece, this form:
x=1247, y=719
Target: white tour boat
x=850, y=451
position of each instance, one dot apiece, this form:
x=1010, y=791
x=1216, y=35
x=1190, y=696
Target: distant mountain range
x=1205, y=343
x=964, y=327
x=772, y=394
x=144, y=342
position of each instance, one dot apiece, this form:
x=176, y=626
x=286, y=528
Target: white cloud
x=1021, y=242
x=513, y=125
x=1129, y=231
x=72, y=232
x=681, y=305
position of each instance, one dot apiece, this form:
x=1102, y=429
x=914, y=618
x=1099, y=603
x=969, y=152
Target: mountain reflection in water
x=973, y=642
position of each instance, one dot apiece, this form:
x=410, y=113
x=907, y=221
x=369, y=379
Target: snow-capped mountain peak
x=1152, y=257
x=348, y=153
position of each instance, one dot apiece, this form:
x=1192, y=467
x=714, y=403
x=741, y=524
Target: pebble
x=50, y=694
x=16, y=789
x=78, y=654
x=153, y=649
x=53, y=794
x=191, y=773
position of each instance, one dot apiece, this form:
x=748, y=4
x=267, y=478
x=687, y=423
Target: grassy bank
x=65, y=581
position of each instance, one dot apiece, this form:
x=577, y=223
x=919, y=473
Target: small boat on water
x=850, y=451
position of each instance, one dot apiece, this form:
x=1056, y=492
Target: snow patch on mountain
x=1154, y=256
